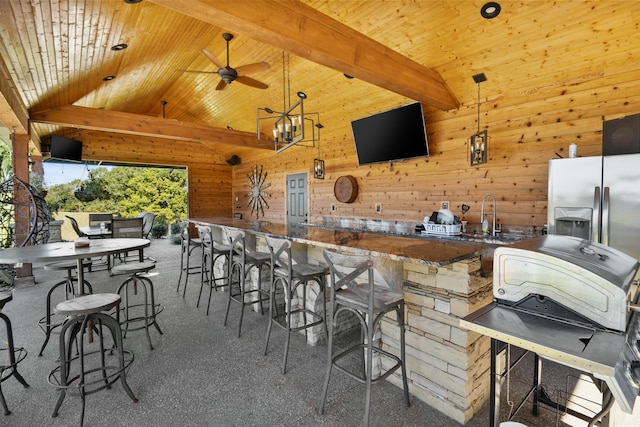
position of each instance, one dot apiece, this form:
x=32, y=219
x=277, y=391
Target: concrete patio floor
x=201, y=374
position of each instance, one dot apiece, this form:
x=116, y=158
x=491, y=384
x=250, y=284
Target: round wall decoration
x=346, y=189
x=256, y=193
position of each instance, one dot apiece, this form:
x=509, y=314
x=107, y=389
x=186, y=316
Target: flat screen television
x=65, y=148
x=390, y=136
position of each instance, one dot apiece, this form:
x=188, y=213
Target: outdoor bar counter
x=442, y=281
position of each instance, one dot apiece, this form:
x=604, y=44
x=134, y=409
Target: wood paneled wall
x=526, y=129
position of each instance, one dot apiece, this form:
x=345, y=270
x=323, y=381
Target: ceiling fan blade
x=212, y=58
x=244, y=70
x=198, y=72
x=221, y=85
x=251, y=82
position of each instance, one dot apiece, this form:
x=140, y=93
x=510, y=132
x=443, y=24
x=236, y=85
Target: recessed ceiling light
x=490, y=10
x=121, y=46
x=348, y=76
x=132, y=1
x=106, y=79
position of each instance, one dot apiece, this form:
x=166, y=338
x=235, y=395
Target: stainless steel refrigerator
x=597, y=198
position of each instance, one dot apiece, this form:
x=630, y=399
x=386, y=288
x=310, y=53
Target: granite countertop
x=431, y=251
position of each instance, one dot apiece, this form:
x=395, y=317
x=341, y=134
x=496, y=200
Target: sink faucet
x=493, y=227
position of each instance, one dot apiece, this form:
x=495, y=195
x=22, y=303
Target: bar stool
x=187, y=246
x=14, y=355
x=290, y=276
x=87, y=314
x=46, y=323
x=211, y=252
x=353, y=290
x=138, y=312
x=242, y=260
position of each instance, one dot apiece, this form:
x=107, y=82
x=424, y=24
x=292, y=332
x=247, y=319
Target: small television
x=64, y=148
x=392, y=135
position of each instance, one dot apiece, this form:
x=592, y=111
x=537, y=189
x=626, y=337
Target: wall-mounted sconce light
x=479, y=142
x=318, y=169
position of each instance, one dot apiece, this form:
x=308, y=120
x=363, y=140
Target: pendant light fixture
x=479, y=142
x=291, y=126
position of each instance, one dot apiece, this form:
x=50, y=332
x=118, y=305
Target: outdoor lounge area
x=201, y=374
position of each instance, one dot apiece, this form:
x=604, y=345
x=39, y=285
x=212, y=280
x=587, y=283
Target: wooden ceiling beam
x=13, y=113
x=136, y=124
x=307, y=33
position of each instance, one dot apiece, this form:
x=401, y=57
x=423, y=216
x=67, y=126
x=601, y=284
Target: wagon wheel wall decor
x=256, y=193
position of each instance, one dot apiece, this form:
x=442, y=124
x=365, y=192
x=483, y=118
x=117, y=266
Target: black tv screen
x=392, y=135
x=65, y=148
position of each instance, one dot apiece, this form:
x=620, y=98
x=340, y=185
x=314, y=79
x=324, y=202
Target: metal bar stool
x=14, y=355
x=46, y=323
x=211, y=252
x=138, y=312
x=290, y=276
x=242, y=260
x=187, y=246
x=86, y=315
x=353, y=290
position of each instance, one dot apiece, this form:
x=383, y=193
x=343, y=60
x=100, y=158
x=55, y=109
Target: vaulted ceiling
x=55, y=54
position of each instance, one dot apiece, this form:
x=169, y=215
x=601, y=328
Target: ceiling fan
x=228, y=74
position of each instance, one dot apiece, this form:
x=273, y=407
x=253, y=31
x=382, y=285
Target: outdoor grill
x=571, y=301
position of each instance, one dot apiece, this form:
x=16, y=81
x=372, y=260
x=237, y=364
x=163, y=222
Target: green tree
x=161, y=191
x=6, y=168
x=127, y=191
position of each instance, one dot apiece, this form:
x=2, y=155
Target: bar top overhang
x=434, y=252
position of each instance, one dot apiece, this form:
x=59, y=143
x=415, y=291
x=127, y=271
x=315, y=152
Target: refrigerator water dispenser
x=573, y=222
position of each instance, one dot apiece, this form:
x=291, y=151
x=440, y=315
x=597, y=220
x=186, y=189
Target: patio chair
x=76, y=227
x=96, y=219
x=147, y=222
x=354, y=290
x=128, y=228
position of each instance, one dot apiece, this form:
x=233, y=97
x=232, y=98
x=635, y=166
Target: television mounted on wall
x=391, y=135
x=63, y=148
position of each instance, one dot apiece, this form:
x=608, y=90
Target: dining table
x=62, y=251
x=96, y=232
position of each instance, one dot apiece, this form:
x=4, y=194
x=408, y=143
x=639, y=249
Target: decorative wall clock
x=346, y=189
x=256, y=193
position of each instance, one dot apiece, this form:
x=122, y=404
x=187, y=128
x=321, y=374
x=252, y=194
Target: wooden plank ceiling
x=55, y=55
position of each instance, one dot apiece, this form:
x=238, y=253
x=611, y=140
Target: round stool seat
x=133, y=268
x=66, y=265
x=88, y=304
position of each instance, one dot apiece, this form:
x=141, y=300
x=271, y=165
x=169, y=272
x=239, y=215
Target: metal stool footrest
x=108, y=374
x=361, y=378
x=139, y=311
x=317, y=319
x=129, y=320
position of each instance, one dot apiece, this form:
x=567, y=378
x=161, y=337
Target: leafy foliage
x=159, y=230
x=127, y=191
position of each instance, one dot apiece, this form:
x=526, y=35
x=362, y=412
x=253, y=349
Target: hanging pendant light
x=479, y=143
x=293, y=125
